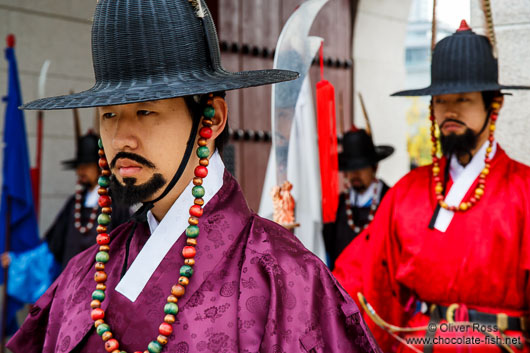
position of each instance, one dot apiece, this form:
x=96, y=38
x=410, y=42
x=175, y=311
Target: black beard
x=130, y=194
x=459, y=145
x=359, y=189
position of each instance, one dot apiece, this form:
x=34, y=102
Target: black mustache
x=133, y=157
x=452, y=121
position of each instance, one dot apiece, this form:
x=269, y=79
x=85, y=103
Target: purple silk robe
x=255, y=288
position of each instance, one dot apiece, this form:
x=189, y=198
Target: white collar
x=364, y=199
x=167, y=232
x=91, y=197
x=463, y=179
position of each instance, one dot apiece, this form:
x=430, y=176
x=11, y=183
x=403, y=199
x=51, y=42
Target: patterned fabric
x=255, y=288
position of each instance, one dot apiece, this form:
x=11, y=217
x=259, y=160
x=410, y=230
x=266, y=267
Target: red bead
x=97, y=314
x=103, y=239
x=201, y=172
x=111, y=345
x=100, y=277
x=165, y=329
x=103, y=164
x=206, y=132
x=439, y=197
x=104, y=201
x=491, y=138
x=196, y=211
x=494, y=117
x=189, y=252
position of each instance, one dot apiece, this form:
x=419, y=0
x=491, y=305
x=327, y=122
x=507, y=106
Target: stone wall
x=512, y=28
x=58, y=30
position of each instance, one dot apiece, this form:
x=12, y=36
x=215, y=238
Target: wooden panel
x=258, y=23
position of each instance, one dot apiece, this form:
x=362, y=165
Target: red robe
x=482, y=260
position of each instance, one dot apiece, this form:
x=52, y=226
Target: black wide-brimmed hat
x=87, y=152
x=359, y=151
x=461, y=63
x=151, y=50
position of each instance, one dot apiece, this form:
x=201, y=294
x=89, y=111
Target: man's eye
x=144, y=112
x=108, y=115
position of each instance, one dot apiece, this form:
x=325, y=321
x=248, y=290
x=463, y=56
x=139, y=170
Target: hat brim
x=435, y=90
x=349, y=164
x=205, y=82
x=69, y=164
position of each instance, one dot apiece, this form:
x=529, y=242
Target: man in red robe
x=451, y=241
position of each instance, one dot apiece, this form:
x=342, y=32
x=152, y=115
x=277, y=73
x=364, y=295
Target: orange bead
x=101, y=286
x=100, y=266
x=191, y=241
x=204, y=162
x=184, y=280
x=178, y=291
x=98, y=322
x=105, y=172
x=106, y=336
x=101, y=229
x=202, y=142
x=162, y=339
x=100, y=276
x=199, y=202
x=189, y=262
x=170, y=319
x=106, y=210
x=103, y=191
x=197, y=181
x=172, y=299
x=95, y=304
x=193, y=221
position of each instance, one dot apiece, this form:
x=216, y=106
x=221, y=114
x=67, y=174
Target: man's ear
x=220, y=118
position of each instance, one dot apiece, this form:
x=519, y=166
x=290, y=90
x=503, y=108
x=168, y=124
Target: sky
x=453, y=11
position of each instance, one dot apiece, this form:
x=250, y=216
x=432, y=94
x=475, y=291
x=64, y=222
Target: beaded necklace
x=479, y=190
x=373, y=208
x=77, y=212
x=171, y=309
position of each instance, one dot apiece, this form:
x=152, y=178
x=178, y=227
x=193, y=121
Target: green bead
x=98, y=295
x=198, y=191
x=102, y=328
x=102, y=256
x=209, y=112
x=104, y=181
x=186, y=271
x=171, y=308
x=203, y=152
x=192, y=231
x=154, y=347
x=104, y=219
x=100, y=143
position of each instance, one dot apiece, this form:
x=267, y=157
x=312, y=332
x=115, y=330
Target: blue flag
x=17, y=197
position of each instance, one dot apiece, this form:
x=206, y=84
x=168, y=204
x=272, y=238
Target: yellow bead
x=435, y=170
x=479, y=192
x=106, y=336
x=438, y=188
x=162, y=339
x=485, y=171
x=463, y=206
x=443, y=204
x=492, y=127
x=495, y=105
x=488, y=150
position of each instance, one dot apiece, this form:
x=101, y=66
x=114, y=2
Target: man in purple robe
x=244, y=284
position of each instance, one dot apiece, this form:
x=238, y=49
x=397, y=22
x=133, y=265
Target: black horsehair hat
x=152, y=50
x=359, y=151
x=461, y=63
x=87, y=151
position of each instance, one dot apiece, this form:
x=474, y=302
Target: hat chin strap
x=141, y=214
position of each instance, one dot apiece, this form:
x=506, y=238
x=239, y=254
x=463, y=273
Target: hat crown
x=464, y=58
x=149, y=42
x=358, y=144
